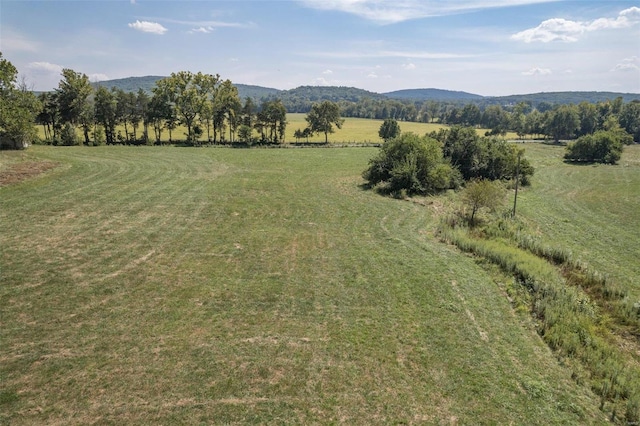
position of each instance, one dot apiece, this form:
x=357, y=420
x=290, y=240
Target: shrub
x=600, y=147
x=412, y=163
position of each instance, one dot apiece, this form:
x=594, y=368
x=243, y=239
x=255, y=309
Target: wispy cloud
x=628, y=64
x=363, y=54
x=204, y=30
x=409, y=66
x=98, y=77
x=559, y=29
x=209, y=25
x=47, y=67
x=15, y=42
x=537, y=71
x=386, y=12
x=148, y=27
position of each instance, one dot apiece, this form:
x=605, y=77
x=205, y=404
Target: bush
x=412, y=163
x=600, y=147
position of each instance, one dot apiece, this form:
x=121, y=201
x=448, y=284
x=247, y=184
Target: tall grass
x=569, y=320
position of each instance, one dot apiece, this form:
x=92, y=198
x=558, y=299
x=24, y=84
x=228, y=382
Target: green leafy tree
x=413, y=164
x=49, y=116
x=600, y=147
x=479, y=194
x=389, y=129
x=630, y=119
x=322, y=117
x=18, y=109
x=73, y=98
x=106, y=106
x=563, y=122
x=272, y=121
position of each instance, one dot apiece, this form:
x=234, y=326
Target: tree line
x=207, y=106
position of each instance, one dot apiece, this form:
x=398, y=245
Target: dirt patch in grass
x=20, y=172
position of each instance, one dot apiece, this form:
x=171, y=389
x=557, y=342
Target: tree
x=389, y=129
x=18, y=109
x=323, y=116
x=106, y=106
x=48, y=116
x=630, y=119
x=272, y=119
x=73, y=99
x=412, y=163
x=600, y=147
x=483, y=193
x=563, y=122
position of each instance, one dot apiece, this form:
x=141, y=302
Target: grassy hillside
x=185, y=285
x=591, y=210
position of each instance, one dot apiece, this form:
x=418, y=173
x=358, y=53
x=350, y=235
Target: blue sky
x=488, y=47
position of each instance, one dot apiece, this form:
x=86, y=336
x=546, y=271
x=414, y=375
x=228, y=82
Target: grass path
x=183, y=285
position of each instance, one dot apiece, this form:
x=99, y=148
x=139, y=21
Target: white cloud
x=327, y=72
x=209, y=25
x=537, y=71
x=559, y=29
x=372, y=74
x=409, y=66
x=628, y=64
x=320, y=81
x=45, y=67
x=148, y=27
x=386, y=12
x=203, y=30
x=98, y=77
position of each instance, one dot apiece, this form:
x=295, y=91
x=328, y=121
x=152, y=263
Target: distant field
x=354, y=130
x=202, y=285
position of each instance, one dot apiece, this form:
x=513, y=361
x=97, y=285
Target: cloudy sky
x=488, y=47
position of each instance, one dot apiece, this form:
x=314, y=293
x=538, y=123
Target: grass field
x=591, y=210
x=354, y=130
x=205, y=285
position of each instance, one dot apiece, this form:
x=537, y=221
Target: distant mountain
x=432, y=94
x=562, y=97
x=255, y=92
x=146, y=83
x=301, y=98
x=329, y=93
x=131, y=84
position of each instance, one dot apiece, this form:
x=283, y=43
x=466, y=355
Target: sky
x=486, y=47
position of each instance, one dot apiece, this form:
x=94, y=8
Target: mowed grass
x=591, y=210
x=355, y=130
x=169, y=285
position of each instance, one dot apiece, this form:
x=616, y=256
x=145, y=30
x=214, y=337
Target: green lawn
x=203, y=285
x=592, y=210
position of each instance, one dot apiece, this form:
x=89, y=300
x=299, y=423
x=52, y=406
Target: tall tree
x=73, y=97
x=563, y=122
x=106, y=106
x=18, y=109
x=323, y=116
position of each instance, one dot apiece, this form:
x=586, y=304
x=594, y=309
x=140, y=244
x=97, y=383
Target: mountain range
x=335, y=93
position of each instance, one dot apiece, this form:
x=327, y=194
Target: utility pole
x=515, y=198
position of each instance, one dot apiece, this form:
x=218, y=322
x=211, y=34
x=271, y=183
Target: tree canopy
x=322, y=117
x=412, y=163
x=18, y=109
x=601, y=147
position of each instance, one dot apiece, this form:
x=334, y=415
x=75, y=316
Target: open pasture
x=205, y=285
x=592, y=210
x=354, y=131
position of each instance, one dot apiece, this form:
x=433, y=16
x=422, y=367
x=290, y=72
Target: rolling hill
x=352, y=94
